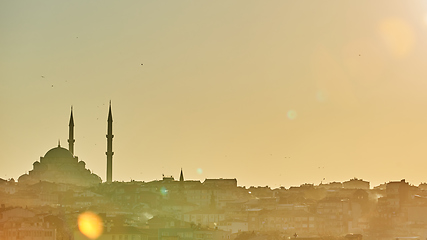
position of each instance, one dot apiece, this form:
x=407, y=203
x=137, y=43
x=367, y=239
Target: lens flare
x=163, y=191
x=90, y=225
x=320, y=96
x=292, y=114
x=199, y=171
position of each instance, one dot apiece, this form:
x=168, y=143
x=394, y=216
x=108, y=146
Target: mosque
x=60, y=165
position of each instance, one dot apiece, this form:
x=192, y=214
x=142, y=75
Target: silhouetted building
x=222, y=183
x=71, y=133
x=110, y=152
x=181, y=176
x=356, y=184
x=59, y=165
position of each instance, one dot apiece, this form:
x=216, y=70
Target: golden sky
x=275, y=93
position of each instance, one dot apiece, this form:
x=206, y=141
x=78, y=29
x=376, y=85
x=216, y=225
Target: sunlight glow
x=397, y=35
x=90, y=225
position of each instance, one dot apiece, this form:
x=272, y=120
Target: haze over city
x=276, y=93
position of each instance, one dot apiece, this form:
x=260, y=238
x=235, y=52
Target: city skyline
x=271, y=93
x=108, y=177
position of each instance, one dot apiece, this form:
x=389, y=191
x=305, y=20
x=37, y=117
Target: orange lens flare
x=90, y=225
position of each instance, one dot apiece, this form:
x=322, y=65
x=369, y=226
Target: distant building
x=27, y=230
x=15, y=213
x=158, y=222
x=300, y=221
x=116, y=233
x=221, y=183
x=334, y=215
x=233, y=226
x=331, y=185
x=398, y=193
x=60, y=165
x=192, y=234
x=23, y=224
x=356, y=184
x=204, y=218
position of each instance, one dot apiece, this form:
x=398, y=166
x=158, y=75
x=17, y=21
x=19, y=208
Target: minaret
x=181, y=176
x=110, y=152
x=71, y=133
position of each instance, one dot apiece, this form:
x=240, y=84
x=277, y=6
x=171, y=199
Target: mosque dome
x=82, y=164
x=58, y=152
x=60, y=165
x=23, y=178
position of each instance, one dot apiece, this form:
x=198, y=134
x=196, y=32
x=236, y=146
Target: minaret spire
x=181, y=176
x=71, y=133
x=110, y=152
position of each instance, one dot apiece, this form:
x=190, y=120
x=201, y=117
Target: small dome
x=23, y=178
x=58, y=152
x=82, y=164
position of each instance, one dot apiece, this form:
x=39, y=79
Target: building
x=60, y=165
x=23, y=224
x=192, y=234
x=356, y=184
x=205, y=218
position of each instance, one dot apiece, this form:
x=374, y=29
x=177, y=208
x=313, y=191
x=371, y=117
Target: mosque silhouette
x=60, y=165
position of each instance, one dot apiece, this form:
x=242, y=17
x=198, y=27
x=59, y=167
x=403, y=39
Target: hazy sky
x=274, y=93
